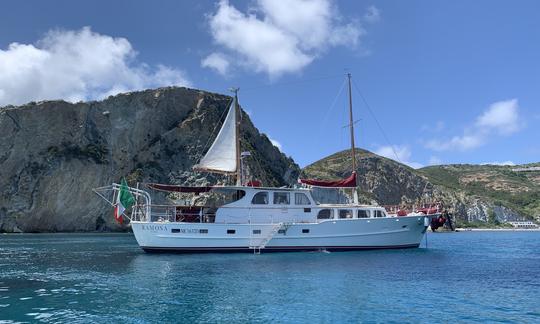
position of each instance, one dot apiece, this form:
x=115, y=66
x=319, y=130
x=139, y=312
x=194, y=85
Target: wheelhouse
x=256, y=205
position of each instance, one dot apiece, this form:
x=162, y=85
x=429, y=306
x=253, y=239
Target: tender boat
x=246, y=217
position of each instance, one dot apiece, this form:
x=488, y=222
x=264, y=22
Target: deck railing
x=174, y=213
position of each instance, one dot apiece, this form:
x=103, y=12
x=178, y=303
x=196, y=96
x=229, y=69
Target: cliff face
x=490, y=192
x=472, y=193
x=53, y=153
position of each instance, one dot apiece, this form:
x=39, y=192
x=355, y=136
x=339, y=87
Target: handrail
x=115, y=188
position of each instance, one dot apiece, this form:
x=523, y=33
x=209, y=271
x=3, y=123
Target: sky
x=434, y=82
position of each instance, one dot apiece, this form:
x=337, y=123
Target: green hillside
x=519, y=191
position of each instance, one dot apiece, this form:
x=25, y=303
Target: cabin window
x=229, y=231
x=281, y=231
x=260, y=198
x=257, y=231
x=345, y=213
x=363, y=214
x=305, y=230
x=239, y=194
x=281, y=198
x=175, y=230
x=203, y=231
x=325, y=214
x=301, y=199
x=379, y=213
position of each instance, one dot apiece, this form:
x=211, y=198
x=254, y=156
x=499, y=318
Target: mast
x=237, y=130
x=351, y=126
x=353, y=153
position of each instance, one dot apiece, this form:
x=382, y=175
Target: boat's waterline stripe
x=276, y=248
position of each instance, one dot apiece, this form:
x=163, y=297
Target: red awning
x=349, y=182
x=175, y=188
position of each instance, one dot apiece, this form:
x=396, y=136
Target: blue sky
x=448, y=81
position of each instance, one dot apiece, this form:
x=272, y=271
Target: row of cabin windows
x=280, y=198
x=348, y=213
x=232, y=231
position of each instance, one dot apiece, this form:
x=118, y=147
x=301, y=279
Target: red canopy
x=174, y=188
x=349, y=182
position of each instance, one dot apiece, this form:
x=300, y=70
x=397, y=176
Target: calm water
x=469, y=276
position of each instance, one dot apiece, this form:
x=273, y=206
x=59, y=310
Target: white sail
x=221, y=156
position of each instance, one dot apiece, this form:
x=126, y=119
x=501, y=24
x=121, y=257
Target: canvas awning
x=175, y=188
x=349, y=182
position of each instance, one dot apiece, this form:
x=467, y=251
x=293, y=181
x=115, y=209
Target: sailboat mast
x=351, y=126
x=237, y=129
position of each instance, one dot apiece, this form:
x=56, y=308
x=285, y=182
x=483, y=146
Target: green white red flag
x=124, y=200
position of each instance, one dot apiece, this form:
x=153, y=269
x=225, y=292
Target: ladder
x=263, y=241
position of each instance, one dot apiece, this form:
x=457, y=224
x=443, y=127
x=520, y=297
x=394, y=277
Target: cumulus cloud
x=216, y=61
x=501, y=118
x=77, y=65
x=277, y=37
x=401, y=153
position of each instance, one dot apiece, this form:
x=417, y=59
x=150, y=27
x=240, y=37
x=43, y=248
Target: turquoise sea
x=103, y=278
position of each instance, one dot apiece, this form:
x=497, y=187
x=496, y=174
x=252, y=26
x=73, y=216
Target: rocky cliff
x=474, y=193
x=53, y=153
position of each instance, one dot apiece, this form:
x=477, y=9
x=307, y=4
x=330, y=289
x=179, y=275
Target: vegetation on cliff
x=501, y=185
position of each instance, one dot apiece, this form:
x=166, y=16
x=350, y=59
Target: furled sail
x=176, y=188
x=349, y=182
x=221, y=157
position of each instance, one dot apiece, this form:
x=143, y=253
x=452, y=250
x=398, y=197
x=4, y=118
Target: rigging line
x=325, y=119
x=292, y=82
x=256, y=159
x=376, y=122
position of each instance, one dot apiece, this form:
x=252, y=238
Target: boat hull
x=331, y=235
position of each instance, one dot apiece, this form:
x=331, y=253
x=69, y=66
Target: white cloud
x=276, y=144
x=460, y=143
x=501, y=118
x=216, y=61
x=372, y=15
x=499, y=163
x=76, y=65
x=400, y=153
x=277, y=37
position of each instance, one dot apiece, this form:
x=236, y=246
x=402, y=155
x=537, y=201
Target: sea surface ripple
x=96, y=278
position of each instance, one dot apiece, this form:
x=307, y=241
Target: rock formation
x=53, y=153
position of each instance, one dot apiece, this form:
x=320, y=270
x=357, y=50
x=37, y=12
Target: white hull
x=334, y=234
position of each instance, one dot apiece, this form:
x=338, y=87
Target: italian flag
x=124, y=200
